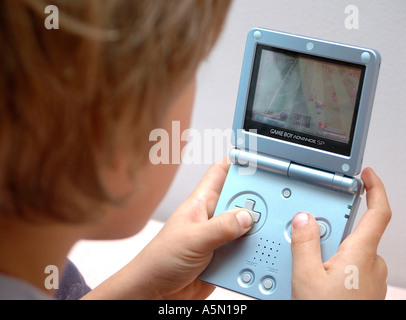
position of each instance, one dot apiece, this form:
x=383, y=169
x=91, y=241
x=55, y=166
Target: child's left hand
x=185, y=245
x=169, y=265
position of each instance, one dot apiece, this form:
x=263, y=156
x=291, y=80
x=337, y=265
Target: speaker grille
x=266, y=251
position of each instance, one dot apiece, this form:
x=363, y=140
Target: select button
x=246, y=278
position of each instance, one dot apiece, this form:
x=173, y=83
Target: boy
x=77, y=106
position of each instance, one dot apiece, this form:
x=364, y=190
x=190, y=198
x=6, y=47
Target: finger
x=376, y=194
x=224, y=227
x=209, y=189
x=374, y=222
x=305, y=246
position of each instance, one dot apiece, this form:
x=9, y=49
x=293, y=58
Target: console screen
x=304, y=99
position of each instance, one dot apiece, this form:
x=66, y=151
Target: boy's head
x=73, y=100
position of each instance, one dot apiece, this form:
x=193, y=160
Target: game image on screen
x=303, y=99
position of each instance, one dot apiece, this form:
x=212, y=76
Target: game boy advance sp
x=306, y=104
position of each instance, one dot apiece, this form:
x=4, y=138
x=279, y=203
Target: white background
x=382, y=26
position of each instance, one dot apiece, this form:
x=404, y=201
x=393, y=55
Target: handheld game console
x=299, y=134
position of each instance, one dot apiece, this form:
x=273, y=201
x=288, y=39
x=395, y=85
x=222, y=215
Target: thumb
x=226, y=227
x=305, y=246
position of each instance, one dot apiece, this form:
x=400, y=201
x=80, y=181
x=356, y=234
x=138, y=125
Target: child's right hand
x=355, y=271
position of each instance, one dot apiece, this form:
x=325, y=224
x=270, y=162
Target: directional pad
x=252, y=202
x=249, y=205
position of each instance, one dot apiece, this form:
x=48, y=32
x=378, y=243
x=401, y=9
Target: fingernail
x=300, y=220
x=245, y=219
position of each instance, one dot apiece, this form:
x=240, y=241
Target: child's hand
x=185, y=245
x=168, y=266
x=355, y=271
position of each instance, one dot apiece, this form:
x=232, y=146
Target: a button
x=249, y=205
x=246, y=277
x=268, y=284
x=322, y=229
x=252, y=202
x=286, y=193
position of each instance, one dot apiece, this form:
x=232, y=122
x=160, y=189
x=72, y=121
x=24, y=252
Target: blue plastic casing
x=276, y=178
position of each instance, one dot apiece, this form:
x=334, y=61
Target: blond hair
x=65, y=93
